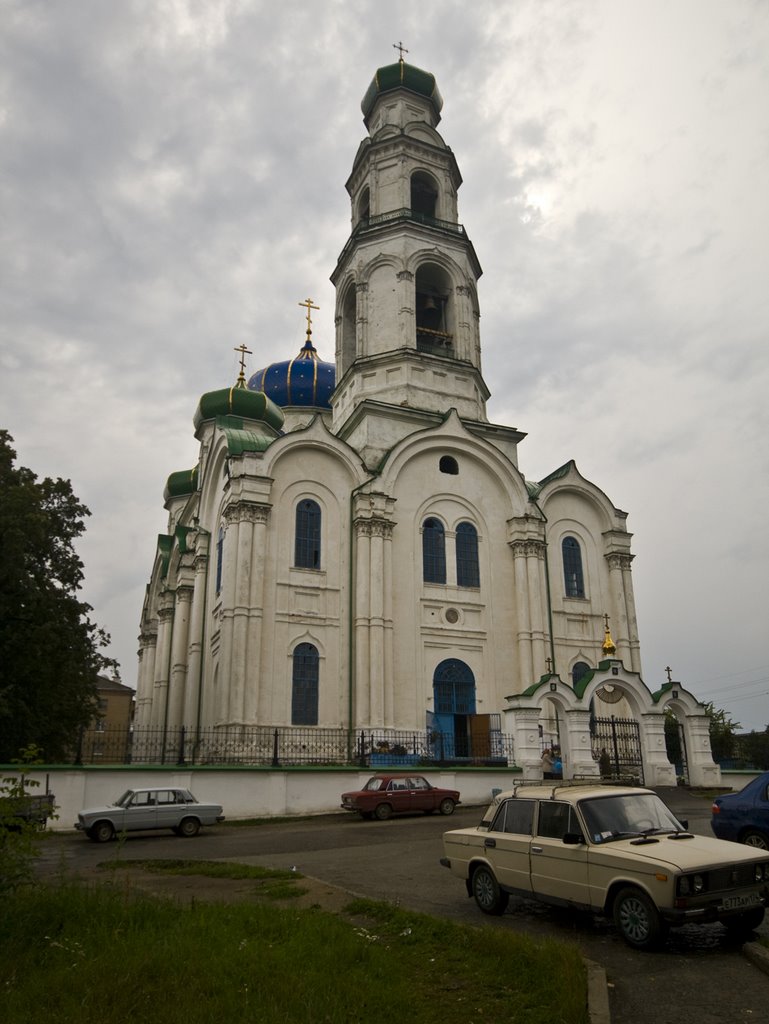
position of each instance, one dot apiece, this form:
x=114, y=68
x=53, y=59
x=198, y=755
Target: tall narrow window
x=580, y=669
x=219, y=559
x=572, y=568
x=433, y=551
x=468, y=574
x=304, y=685
x=307, y=544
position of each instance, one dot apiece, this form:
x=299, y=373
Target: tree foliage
x=722, y=732
x=50, y=655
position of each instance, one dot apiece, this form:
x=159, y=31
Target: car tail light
x=715, y=809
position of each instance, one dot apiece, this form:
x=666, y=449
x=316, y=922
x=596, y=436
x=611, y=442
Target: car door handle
x=537, y=849
x=490, y=842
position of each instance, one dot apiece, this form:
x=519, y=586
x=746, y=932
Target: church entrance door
x=454, y=703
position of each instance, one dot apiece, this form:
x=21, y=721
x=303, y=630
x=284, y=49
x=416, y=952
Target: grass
x=79, y=955
x=273, y=883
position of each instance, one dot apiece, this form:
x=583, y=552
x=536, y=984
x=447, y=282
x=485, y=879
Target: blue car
x=744, y=817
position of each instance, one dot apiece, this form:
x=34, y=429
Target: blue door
x=454, y=702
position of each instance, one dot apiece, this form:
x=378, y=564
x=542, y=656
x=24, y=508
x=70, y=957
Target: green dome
x=402, y=76
x=251, y=405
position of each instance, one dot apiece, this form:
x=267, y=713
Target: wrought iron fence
x=291, y=745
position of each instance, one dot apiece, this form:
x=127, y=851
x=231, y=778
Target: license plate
x=739, y=902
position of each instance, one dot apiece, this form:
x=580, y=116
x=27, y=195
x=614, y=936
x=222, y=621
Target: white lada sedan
x=617, y=851
x=138, y=810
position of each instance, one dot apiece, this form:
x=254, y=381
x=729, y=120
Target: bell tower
x=407, y=316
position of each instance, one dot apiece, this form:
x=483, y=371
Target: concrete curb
x=597, y=993
x=758, y=954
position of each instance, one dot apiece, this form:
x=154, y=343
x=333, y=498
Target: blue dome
x=305, y=380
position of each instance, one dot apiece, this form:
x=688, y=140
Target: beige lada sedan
x=613, y=850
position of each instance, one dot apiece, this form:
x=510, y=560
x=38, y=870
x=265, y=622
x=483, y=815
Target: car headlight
x=691, y=885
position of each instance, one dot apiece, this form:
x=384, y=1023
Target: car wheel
x=745, y=923
x=101, y=832
x=446, y=806
x=383, y=812
x=754, y=838
x=638, y=920
x=489, y=897
x=189, y=827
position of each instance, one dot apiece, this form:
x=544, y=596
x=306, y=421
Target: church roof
x=401, y=76
x=238, y=401
x=305, y=380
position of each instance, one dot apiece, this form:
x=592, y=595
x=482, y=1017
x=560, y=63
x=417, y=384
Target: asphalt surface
x=701, y=976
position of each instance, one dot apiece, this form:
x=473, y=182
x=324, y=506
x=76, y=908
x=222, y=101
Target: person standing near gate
x=604, y=764
x=547, y=763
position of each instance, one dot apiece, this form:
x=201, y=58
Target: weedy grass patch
x=85, y=955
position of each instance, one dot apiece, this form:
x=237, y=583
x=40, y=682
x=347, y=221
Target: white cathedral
x=356, y=547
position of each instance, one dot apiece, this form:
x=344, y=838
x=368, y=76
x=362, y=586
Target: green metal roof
x=183, y=482
x=401, y=76
x=251, y=405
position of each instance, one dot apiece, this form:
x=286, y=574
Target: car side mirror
x=573, y=839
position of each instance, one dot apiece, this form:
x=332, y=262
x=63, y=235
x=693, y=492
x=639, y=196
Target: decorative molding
x=619, y=561
x=405, y=275
x=527, y=548
x=246, y=512
x=374, y=528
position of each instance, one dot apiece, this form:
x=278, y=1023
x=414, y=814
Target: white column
x=162, y=655
x=229, y=580
x=260, y=517
x=179, y=643
x=195, y=652
x=522, y=615
x=146, y=679
x=362, y=712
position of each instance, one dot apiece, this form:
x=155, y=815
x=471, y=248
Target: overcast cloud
x=172, y=185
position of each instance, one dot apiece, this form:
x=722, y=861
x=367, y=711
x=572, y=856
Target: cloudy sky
x=172, y=185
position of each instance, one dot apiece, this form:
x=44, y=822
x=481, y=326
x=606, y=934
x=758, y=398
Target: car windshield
x=374, y=784
x=630, y=814
x=124, y=799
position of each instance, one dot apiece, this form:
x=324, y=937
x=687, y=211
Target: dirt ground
x=312, y=893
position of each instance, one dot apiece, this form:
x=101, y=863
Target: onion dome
x=402, y=76
x=304, y=381
x=238, y=401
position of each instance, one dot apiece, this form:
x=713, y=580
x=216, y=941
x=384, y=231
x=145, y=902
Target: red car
x=384, y=795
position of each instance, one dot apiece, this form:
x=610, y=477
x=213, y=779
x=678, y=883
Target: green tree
x=49, y=648
x=722, y=732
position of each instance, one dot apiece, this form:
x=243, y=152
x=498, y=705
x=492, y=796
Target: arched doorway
x=454, y=704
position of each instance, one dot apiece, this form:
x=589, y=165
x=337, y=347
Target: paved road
x=700, y=978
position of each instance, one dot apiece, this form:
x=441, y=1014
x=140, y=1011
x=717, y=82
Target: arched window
x=304, y=685
x=433, y=551
x=433, y=310
x=468, y=574
x=364, y=206
x=307, y=542
x=580, y=669
x=572, y=568
x=424, y=195
x=449, y=465
x=219, y=559
x=454, y=688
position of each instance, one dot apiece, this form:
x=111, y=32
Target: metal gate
x=620, y=738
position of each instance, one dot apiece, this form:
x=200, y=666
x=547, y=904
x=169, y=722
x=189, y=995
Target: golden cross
x=401, y=49
x=309, y=305
x=241, y=382
x=549, y=663
x=606, y=621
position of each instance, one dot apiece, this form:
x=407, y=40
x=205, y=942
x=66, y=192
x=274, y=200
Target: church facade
x=357, y=547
